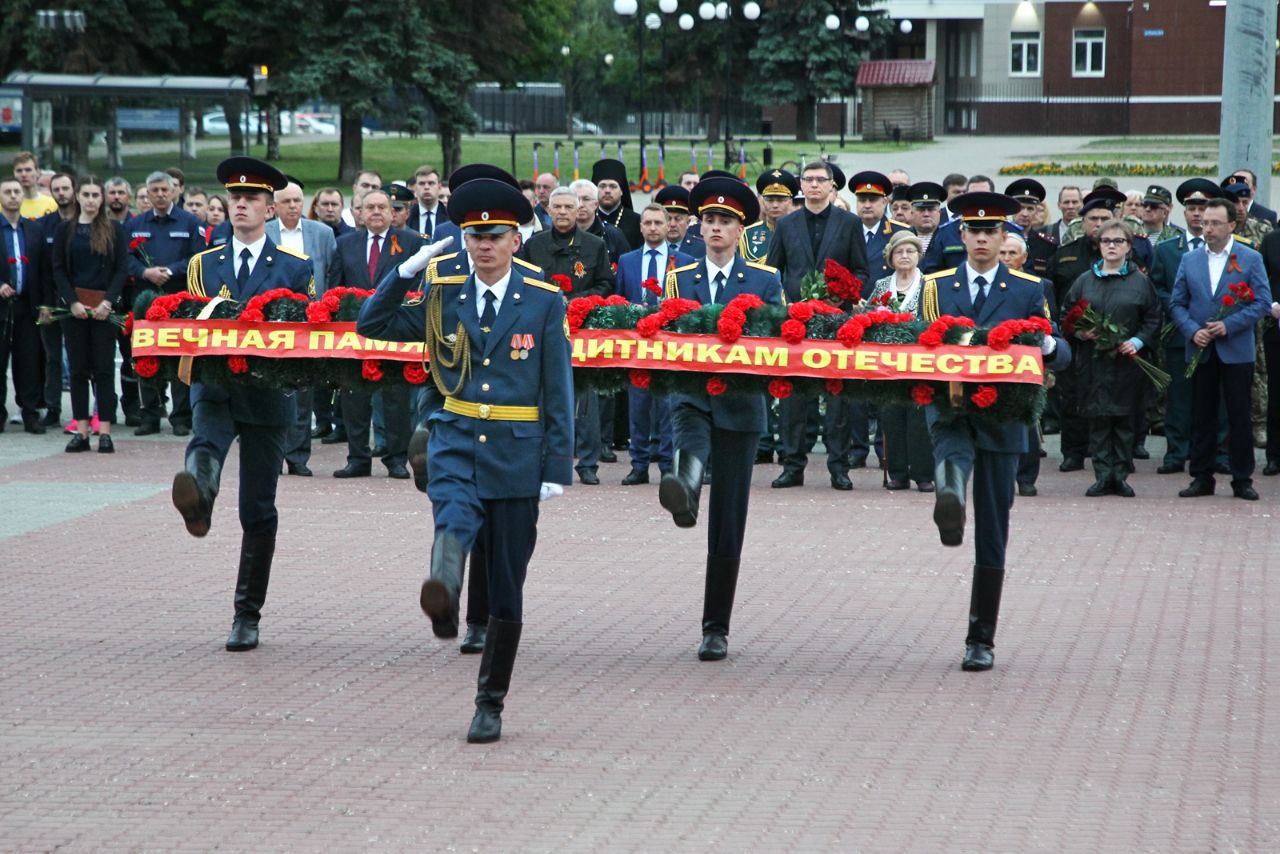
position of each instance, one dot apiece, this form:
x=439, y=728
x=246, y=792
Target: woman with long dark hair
x=89, y=269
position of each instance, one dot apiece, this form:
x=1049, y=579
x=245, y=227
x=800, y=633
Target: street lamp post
x=568, y=89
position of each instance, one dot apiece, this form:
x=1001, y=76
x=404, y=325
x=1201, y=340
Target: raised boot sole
x=437, y=604
x=674, y=498
x=948, y=515
x=186, y=498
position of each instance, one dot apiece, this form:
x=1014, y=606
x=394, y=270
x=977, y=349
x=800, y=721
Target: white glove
x=549, y=491
x=1048, y=345
x=1275, y=310
x=418, y=261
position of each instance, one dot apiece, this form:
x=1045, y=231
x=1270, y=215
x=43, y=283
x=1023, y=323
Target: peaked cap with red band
x=488, y=206
x=983, y=208
x=725, y=195
x=250, y=173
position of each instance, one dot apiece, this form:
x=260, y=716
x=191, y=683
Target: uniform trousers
x=651, y=437
x=298, y=443
x=51, y=341
x=908, y=452
x=586, y=430
x=731, y=455
x=261, y=452
x=796, y=417
x=357, y=412
x=993, y=474
x=1177, y=406
x=1271, y=350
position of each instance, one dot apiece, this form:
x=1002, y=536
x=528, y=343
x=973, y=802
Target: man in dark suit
x=641, y=276
x=802, y=243
x=568, y=249
x=426, y=213
x=1257, y=210
x=25, y=284
x=250, y=264
x=1224, y=375
x=1271, y=353
x=988, y=292
x=366, y=255
x=721, y=432
x=675, y=199
x=610, y=178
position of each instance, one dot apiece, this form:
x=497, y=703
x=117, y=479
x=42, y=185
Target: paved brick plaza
x=1134, y=703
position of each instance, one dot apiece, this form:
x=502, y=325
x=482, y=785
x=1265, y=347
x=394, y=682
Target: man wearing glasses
x=1156, y=202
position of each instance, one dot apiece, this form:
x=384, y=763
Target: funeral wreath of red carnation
x=716, y=386
x=414, y=373
x=984, y=396
x=781, y=389
x=371, y=369
x=640, y=378
x=238, y=364
x=922, y=394
x=146, y=366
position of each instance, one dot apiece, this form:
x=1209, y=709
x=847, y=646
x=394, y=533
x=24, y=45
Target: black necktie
x=1196, y=242
x=651, y=273
x=430, y=224
x=490, y=313
x=982, y=294
x=718, y=294
x=242, y=275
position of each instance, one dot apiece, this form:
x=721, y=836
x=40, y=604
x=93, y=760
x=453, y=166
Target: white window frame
x=1026, y=39
x=1089, y=36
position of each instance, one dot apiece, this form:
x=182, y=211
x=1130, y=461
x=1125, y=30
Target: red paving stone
x=1134, y=705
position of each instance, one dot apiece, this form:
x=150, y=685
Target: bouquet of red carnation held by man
x=834, y=283
x=1083, y=317
x=1238, y=297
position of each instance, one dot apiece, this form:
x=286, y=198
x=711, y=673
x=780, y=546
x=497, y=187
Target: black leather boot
x=501, y=642
x=256, y=552
x=717, y=607
x=984, y=609
x=477, y=602
x=195, y=489
x=681, y=487
x=948, y=504
x=418, y=456
x=439, y=596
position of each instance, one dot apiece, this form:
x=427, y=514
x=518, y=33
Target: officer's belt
x=490, y=412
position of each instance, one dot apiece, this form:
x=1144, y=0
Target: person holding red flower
x=1209, y=307
x=965, y=442
x=246, y=266
x=716, y=428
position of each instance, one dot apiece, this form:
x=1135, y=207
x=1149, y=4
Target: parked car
x=588, y=128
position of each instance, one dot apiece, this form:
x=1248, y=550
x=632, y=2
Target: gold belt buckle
x=484, y=411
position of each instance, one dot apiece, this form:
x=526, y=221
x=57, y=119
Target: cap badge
x=981, y=212
x=720, y=199
x=243, y=178
x=484, y=215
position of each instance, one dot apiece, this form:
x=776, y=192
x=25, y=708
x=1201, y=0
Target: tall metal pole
x=640, y=31
x=1249, y=74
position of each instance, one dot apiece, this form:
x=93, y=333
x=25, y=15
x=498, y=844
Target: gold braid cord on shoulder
x=929, y=301
x=195, y=277
x=671, y=290
x=459, y=351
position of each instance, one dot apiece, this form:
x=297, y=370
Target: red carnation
x=984, y=396
x=640, y=378
x=800, y=311
x=127, y=329
x=371, y=369
x=414, y=373
x=746, y=302
x=781, y=389
x=319, y=312
x=674, y=308
x=716, y=386
x=850, y=332
x=252, y=315
x=563, y=282
x=728, y=330
x=146, y=366
x=792, y=331
x=1228, y=300
x=616, y=299
x=651, y=284
x=238, y=364
x=136, y=242
x=929, y=338
x=922, y=393
x=649, y=326
x=1000, y=337
x=834, y=386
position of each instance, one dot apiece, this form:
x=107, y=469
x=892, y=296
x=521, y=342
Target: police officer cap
x=673, y=197
x=1102, y=197
x=983, y=208
x=719, y=173
x=488, y=206
x=1197, y=190
x=1157, y=195
x=471, y=171
x=777, y=182
x=725, y=196
x=400, y=195
x=837, y=176
x=295, y=180
x=901, y=193
x=1237, y=190
x=926, y=194
x=1029, y=191
x=869, y=184
x=250, y=173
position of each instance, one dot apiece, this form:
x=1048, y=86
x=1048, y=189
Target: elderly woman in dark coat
x=1114, y=389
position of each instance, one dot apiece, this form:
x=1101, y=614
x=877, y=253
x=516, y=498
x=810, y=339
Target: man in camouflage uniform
x=1250, y=230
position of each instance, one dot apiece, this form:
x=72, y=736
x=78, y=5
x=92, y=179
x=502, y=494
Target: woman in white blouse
x=907, y=447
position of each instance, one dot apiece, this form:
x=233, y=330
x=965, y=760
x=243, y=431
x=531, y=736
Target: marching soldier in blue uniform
x=248, y=265
x=776, y=189
x=680, y=237
x=503, y=439
x=720, y=431
x=871, y=192
x=964, y=445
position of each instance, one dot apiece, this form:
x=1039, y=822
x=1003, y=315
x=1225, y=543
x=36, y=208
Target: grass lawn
x=316, y=163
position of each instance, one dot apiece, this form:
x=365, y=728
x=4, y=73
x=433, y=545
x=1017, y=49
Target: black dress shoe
x=299, y=469
x=147, y=429
x=132, y=419
x=1123, y=489
x=764, y=458
x=33, y=426
x=636, y=477
x=379, y=451
x=1272, y=468
x=1245, y=491
x=354, y=470
x=78, y=444
x=1200, y=486
x=244, y=635
x=473, y=642
x=788, y=478
x=1141, y=453
x=978, y=656
x=321, y=431
x=1027, y=490
x=840, y=481
x=608, y=456
x=52, y=418
x=1071, y=464
x=1171, y=468
x=1099, y=488
x=858, y=464
x=337, y=437
x=588, y=477
x=895, y=485
x=105, y=445
x=925, y=486
x=398, y=471
x=714, y=647
x=181, y=430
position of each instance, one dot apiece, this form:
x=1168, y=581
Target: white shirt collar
x=712, y=270
x=1225, y=250
x=383, y=235
x=663, y=249
x=973, y=274
x=255, y=248
x=499, y=289
x=296, y=230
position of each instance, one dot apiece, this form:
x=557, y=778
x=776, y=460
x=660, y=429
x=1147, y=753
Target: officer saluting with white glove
x=499, y=354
